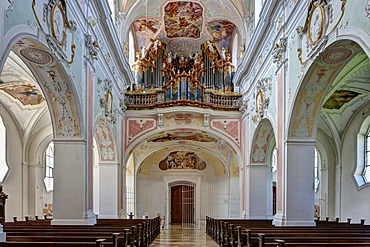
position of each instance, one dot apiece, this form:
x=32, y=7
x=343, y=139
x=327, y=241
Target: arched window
x=3, y=165
x=362, y=171
x=366, y=172
x=274, y=160
x=49, y=167
x=317, y=170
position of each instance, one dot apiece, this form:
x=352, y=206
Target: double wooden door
x=182, y=204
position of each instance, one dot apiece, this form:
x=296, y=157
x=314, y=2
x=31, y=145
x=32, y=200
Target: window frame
x=49, y=169
x=3, y=163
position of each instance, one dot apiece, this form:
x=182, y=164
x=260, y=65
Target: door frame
x=171, y=181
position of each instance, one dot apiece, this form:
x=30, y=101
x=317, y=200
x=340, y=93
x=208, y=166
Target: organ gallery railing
x=163, y=78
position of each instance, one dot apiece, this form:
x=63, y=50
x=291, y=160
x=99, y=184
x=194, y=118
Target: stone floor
x=176, y=236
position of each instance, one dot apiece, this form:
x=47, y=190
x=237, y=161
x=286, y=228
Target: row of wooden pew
x=107, y=233
x=250, y=233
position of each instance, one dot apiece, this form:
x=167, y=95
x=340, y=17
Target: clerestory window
x=366, y=172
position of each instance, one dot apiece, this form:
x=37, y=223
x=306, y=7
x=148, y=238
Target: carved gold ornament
x=58, y=24
x=316, y=24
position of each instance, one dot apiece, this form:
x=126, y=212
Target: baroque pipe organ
x=201, y=79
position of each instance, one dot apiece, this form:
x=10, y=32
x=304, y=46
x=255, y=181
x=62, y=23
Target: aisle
x=175, y=236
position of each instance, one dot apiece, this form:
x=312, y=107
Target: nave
x=176, y=236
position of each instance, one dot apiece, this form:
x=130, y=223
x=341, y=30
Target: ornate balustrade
x=139, y=99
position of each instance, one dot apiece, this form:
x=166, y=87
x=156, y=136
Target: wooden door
x=176, y=204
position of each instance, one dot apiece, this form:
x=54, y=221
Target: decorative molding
x=321, y=19
x=206, y=120
x=106, y=100
x=92, y=47
x=261, y=99
x=249, y=20
x=228, y=127
x=60, y=29
x=278, y=52
x=137, y=127
x=10, y=7
x=105, y=140
x=160, y=120
x=367, y=9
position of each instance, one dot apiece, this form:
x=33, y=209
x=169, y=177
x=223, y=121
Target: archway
x=295, y=206
x=259, y=175
x=67, y=128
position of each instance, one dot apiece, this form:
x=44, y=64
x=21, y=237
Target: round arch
x=59, y=91
x=311, y=93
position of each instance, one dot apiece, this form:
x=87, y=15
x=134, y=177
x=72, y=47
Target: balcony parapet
x=158, y=98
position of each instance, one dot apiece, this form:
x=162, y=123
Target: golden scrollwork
x=342, y=13
x=36, y=16
x=316, y=24
x=73, y=47
x=57, y=15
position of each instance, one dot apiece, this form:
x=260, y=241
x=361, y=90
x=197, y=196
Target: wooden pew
x=120, y=232
x=231, y=235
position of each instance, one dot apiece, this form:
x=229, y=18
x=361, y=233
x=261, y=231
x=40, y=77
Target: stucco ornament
x=261, y=99
x=322, y=19
x=106, y=100
x=367, y=9
x=105, y=140
x=56, y=23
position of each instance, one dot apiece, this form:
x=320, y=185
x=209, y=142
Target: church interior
x=233, y=109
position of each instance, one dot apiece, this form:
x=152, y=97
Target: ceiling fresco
x=348, y=93
x=184, y=25
x=183, y=20
x=26, y=94
x=221, y=32
x=339, y=98
x=145, y=29
x=183, y=135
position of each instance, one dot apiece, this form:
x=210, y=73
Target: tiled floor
x=175, y=236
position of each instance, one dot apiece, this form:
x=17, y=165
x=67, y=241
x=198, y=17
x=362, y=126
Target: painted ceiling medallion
x=26, y=94
x=36, y=56
x=339, y=98
x=183, y=135
x=182, y=160
x=335, y=56
x=183, y=45
x=183, y=19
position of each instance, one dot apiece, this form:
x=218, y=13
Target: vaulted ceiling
x=184, y=25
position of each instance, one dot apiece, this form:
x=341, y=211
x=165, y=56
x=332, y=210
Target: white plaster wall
x=108, y=190
x=354, y=203
x=151, y=197
x=218, y=195
x=13, y=183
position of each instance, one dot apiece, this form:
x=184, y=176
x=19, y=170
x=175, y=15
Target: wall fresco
x=182, y=160
x=105, y=139
x=261, y=140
